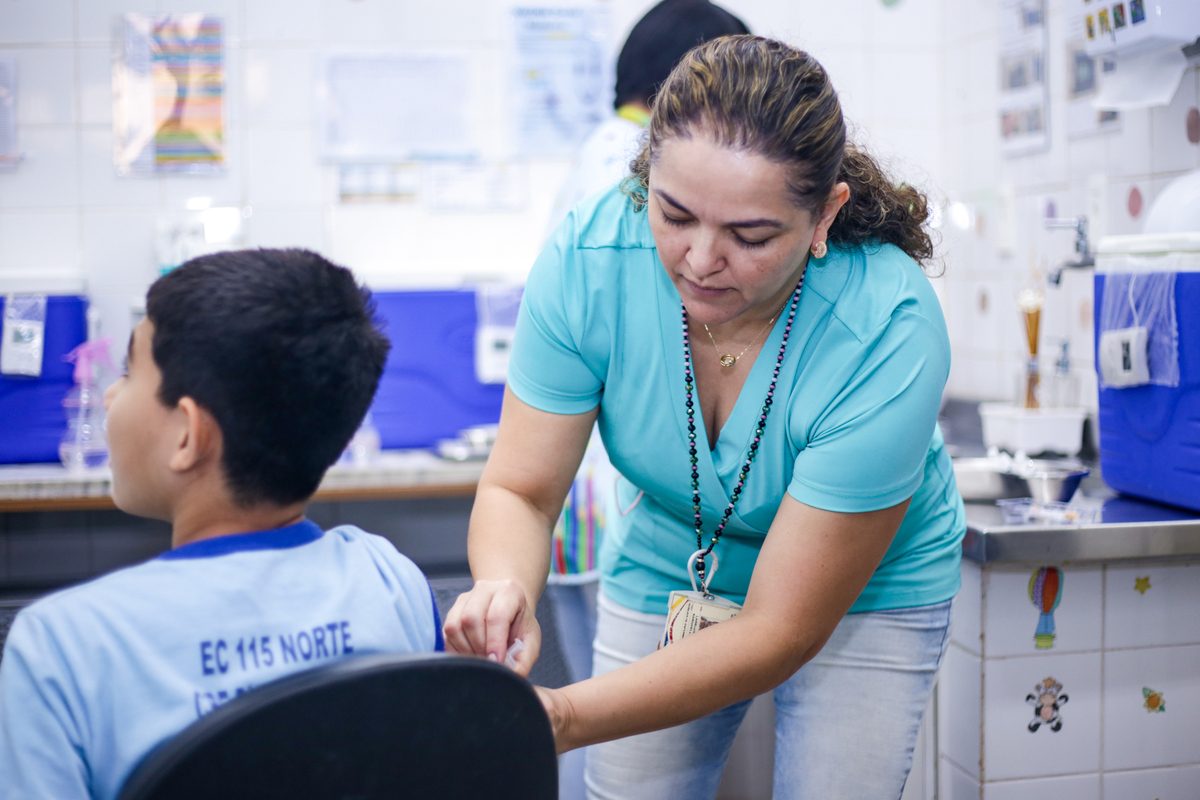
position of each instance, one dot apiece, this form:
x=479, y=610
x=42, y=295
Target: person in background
x=654, y=45
x=749, y=325
x=243, y=385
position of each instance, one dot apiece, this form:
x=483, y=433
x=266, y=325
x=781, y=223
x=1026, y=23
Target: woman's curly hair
x=764, y=96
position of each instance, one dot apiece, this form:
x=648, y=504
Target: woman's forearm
x=509, y=539
x=705, y=672
x=811, y=568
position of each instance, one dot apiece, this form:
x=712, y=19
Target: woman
x=765, y=358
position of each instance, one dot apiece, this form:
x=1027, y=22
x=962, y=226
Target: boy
x=244, y=383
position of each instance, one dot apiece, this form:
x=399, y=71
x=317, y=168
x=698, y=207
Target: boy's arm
x=40, y=751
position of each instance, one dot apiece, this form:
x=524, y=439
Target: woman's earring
x=819, y=249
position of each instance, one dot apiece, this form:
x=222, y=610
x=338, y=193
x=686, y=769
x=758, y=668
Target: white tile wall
x=301, y=23
x=1174, y=783
x=95, y=85
x=39, y=240
x=100, y=186
x=273, y=49
x=97, y=18
x=1076, y=787
x=1169, y=150
x=839, y=24
x=955, y=784
x=1128, y=152
x=1165, y=613
x=46, y=85
x=48, y=177
x=966, y=613
x=37, y=21
x=1010, y=617
x=931, y=106
x=1010, y=749
x=1135, y=736
x=1148, y=148
x=287, y=228
x=282, y=168
x=958, y=709
x=280, y=86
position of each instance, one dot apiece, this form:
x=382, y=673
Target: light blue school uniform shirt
x=853, y=427
x=94, y=677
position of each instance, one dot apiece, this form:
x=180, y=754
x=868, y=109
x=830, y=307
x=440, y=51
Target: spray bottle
x=83, y=445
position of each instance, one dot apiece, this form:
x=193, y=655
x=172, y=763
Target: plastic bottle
x=364, y=446
x=1064, y=385
x=83, y=445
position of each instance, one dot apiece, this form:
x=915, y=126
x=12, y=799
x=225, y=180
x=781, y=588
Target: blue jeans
x=845, y=723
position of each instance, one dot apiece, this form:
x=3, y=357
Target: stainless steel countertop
x=1128, y=529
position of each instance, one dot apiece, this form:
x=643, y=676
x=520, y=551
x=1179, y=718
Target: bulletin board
x=395, y=107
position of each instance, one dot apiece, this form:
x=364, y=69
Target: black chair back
x=387, y=726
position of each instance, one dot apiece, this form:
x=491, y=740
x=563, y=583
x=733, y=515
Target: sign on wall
x=562, y=82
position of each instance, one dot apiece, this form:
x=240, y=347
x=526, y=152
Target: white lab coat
x=602, y=160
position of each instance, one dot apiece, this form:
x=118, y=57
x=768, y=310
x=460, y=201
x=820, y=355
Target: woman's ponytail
x=880, y=210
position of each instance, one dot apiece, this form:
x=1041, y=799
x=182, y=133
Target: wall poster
x=169, y=95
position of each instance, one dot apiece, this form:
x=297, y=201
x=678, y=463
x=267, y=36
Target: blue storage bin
x=428, y=390
x=32, y=421
x=1150, y=435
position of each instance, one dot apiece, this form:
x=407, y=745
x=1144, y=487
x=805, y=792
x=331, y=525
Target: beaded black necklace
x=744, y=472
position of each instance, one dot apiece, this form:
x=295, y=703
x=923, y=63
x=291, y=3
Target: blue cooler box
x=1150, y=434
x=429, y=390
x=32, y=421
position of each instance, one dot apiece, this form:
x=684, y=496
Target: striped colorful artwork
x=189, y=78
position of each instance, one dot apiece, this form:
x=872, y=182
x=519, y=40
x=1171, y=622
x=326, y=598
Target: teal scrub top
x=853, y=427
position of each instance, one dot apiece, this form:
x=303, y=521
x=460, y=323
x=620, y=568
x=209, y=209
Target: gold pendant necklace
x=729, y=359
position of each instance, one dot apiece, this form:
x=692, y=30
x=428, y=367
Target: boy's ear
x=199, y=436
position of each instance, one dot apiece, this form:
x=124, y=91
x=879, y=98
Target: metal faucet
x=1084, y=257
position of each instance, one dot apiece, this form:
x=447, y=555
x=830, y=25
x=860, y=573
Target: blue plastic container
x=428, y=390
x=32, y=421
x=1150, y=435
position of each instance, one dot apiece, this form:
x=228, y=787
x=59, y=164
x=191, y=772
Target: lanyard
x=703, y=552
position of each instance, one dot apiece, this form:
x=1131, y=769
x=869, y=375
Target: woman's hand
x=560, y=711
x=488, y=619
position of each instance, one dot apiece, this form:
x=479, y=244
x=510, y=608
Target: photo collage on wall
x=1023, y=112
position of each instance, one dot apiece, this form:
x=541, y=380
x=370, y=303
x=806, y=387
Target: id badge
x=689, y=612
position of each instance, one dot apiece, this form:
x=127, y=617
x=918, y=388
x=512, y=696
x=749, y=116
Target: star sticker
x=1140, y=585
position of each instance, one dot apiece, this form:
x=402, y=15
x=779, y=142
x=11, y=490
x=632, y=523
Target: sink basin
x=1002, y=477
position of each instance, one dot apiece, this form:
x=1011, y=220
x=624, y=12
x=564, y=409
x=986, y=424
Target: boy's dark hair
x=660, y=38
x=282, y=347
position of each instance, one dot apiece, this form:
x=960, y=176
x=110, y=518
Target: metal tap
x=1084, y=257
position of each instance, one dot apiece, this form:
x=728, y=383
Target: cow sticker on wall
x=1045, y=592
x=1046, y=698
x=1153, y=701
